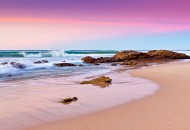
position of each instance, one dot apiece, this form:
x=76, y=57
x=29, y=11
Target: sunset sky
x=94, y=24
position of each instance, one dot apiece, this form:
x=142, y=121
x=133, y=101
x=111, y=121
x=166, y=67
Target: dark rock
x=104, y=60
x=64, y=64
x=114, y=64
x=12, y=63
x=101, y=81
x=69, y=100
x=41, y=62
x=4, y=63
x=126, y=56
x=133, y=58
x=89, y=59
x=129, y=55
x=18, y=65
x=92, y=60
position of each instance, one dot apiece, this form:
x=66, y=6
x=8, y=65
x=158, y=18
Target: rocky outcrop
x=64, y=64
x=69, y=100
x=136, y=58
x=129, y=55
x=119, y=57
x=41, y=62
x=165, y=54
x=154, y=54
x=89, y=59
x=101, y=81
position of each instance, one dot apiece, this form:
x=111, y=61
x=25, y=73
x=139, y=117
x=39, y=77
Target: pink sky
x=32, y=24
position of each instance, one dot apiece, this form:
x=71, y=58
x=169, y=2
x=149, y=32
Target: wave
x=60, y=53
x=91, y=52
x=20, y=53
x=49, y=53
x=27, y=58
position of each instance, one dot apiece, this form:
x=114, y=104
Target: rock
x=130, y=63
x=129, y=55
x=166, y=54
x=101, y=81
x=4, y=63
x=114, y=64
x=145, y=62
x=64, y=64
x=18, y=65
x=104, y=60
x=137, y=58
x=41, y=62
x=119, y=57
x=69, y=100
x=89, y=59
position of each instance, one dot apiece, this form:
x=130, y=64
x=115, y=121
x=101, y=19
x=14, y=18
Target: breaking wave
x=49, y=53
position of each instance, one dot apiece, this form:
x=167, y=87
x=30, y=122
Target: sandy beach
x=168, y=109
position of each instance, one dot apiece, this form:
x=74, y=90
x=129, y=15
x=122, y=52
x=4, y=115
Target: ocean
x=32, y=70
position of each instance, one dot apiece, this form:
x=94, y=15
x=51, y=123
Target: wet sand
x=168, y=109
x=36, y=101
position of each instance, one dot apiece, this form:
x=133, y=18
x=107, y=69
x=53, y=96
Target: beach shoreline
x=167, y=109
x=41, y=102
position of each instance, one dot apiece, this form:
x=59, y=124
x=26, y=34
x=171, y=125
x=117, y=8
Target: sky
x=97, y=24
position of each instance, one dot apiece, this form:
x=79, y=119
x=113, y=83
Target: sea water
x=32, y=70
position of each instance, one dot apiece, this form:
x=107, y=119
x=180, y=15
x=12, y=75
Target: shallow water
x=32, y=70
x=31, y=102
